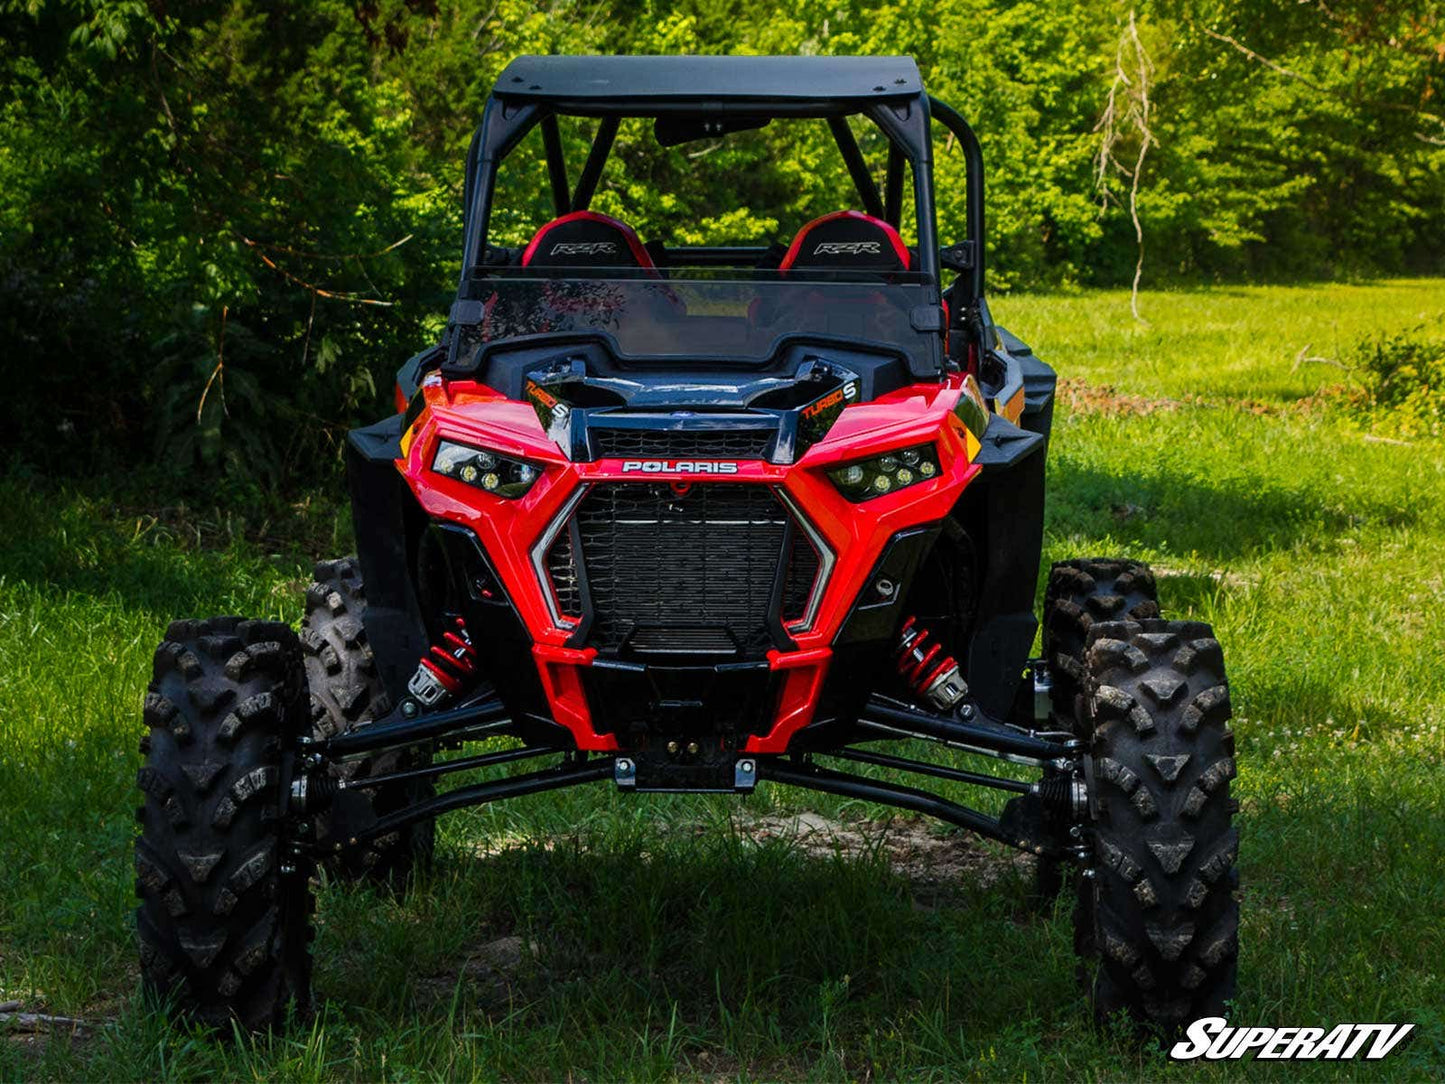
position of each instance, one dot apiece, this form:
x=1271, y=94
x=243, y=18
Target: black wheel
x=1080, y=593
x=346, y=692
x=223, y=924
x=1159, y=916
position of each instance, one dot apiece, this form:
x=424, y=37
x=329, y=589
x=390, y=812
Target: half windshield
x=689, y=316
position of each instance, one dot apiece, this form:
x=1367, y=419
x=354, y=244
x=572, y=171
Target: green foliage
x=292, y=173
x=698, y=937
x=1404, y=379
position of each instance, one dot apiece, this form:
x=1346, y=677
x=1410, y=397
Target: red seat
x=847, y=241
x=586, y=239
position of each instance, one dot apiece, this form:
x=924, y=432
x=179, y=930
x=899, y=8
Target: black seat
x=847, y=241
x=586, y=239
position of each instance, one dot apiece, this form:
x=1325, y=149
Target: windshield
x=695, y=318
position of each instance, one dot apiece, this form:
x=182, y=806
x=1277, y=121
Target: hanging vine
x=1126, y=113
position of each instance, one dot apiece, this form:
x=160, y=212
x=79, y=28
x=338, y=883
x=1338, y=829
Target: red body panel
x=857, y=533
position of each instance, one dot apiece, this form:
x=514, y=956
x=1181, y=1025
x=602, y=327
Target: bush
x=1404, y=379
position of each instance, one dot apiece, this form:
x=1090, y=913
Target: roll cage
x=715, y=95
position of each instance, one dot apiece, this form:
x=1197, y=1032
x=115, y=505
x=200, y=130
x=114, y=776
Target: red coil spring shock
x=447, y=668
x=927, y=669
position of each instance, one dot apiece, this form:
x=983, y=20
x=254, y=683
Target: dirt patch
x=490, y=972
x=1084, y=398
x=1223, y=577
x=930, y=862
x=31, y=1031
x=939, y=868
x=913, y=848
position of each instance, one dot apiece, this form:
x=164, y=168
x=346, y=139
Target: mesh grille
x=696, y=568
x=562, y=567
x=679, y=640
x=670, y=443
x=802, y=573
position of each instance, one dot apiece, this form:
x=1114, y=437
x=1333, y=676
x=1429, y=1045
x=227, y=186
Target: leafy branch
x=1127, y=109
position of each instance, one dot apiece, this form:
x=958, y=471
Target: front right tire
x=1159, y=917
x=1081, y=593
x=346, y=694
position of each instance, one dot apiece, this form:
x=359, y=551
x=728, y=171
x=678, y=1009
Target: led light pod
x=489, y=471
x=864, y=479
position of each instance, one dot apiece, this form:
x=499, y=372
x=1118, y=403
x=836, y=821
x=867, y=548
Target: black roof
x=676, y=80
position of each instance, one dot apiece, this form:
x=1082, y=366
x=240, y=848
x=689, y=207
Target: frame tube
x=481, y=793
x=872, y=790
x=596, y=160
x=939, y=771
x=951, y=119
x=893, y=187
x=446, y=767
x=491, y=712
x=556, y=164
x=857, y=168
x=987, y=737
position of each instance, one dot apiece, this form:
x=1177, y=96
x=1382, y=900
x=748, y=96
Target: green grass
x=670, y=939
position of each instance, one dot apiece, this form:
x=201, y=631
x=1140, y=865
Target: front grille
x=694, y=568
x=681, y=640
x=566, y=584
x=803, y=565
x=672, y=443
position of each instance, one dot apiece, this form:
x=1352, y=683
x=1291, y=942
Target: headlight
x=867, y=478
x=484, y=470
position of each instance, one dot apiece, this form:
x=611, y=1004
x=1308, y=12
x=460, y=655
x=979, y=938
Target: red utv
x=682, y=518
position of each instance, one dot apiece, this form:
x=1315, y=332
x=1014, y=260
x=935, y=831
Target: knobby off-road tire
x=346, y=693
x=221, y=927
x=1160, y=911
x=1079, y=594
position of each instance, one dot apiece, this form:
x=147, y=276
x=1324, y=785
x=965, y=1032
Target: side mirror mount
x=957, y=257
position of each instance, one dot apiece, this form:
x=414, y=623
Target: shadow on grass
x=1187, y=513
x=63, y=543
x=753, y=940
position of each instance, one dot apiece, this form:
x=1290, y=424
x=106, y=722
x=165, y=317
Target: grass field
x=588, y=936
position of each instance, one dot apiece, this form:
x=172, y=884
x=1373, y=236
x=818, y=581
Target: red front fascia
x=474, y=414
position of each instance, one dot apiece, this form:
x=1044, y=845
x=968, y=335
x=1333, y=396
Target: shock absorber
x=447, y=668
x=928, y=670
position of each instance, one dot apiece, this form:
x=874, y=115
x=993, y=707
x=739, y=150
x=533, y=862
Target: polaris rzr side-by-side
x=695, y=519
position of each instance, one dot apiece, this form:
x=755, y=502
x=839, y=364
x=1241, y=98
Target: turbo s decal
x=549, y=408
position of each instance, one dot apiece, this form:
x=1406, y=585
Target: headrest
x=848, y=241
x=586, y=239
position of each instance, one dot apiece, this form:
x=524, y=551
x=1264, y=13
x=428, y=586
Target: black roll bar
x=953, y=120
x=893, y=187
x=556, y=164
x=596, y=160
x=857, y=167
